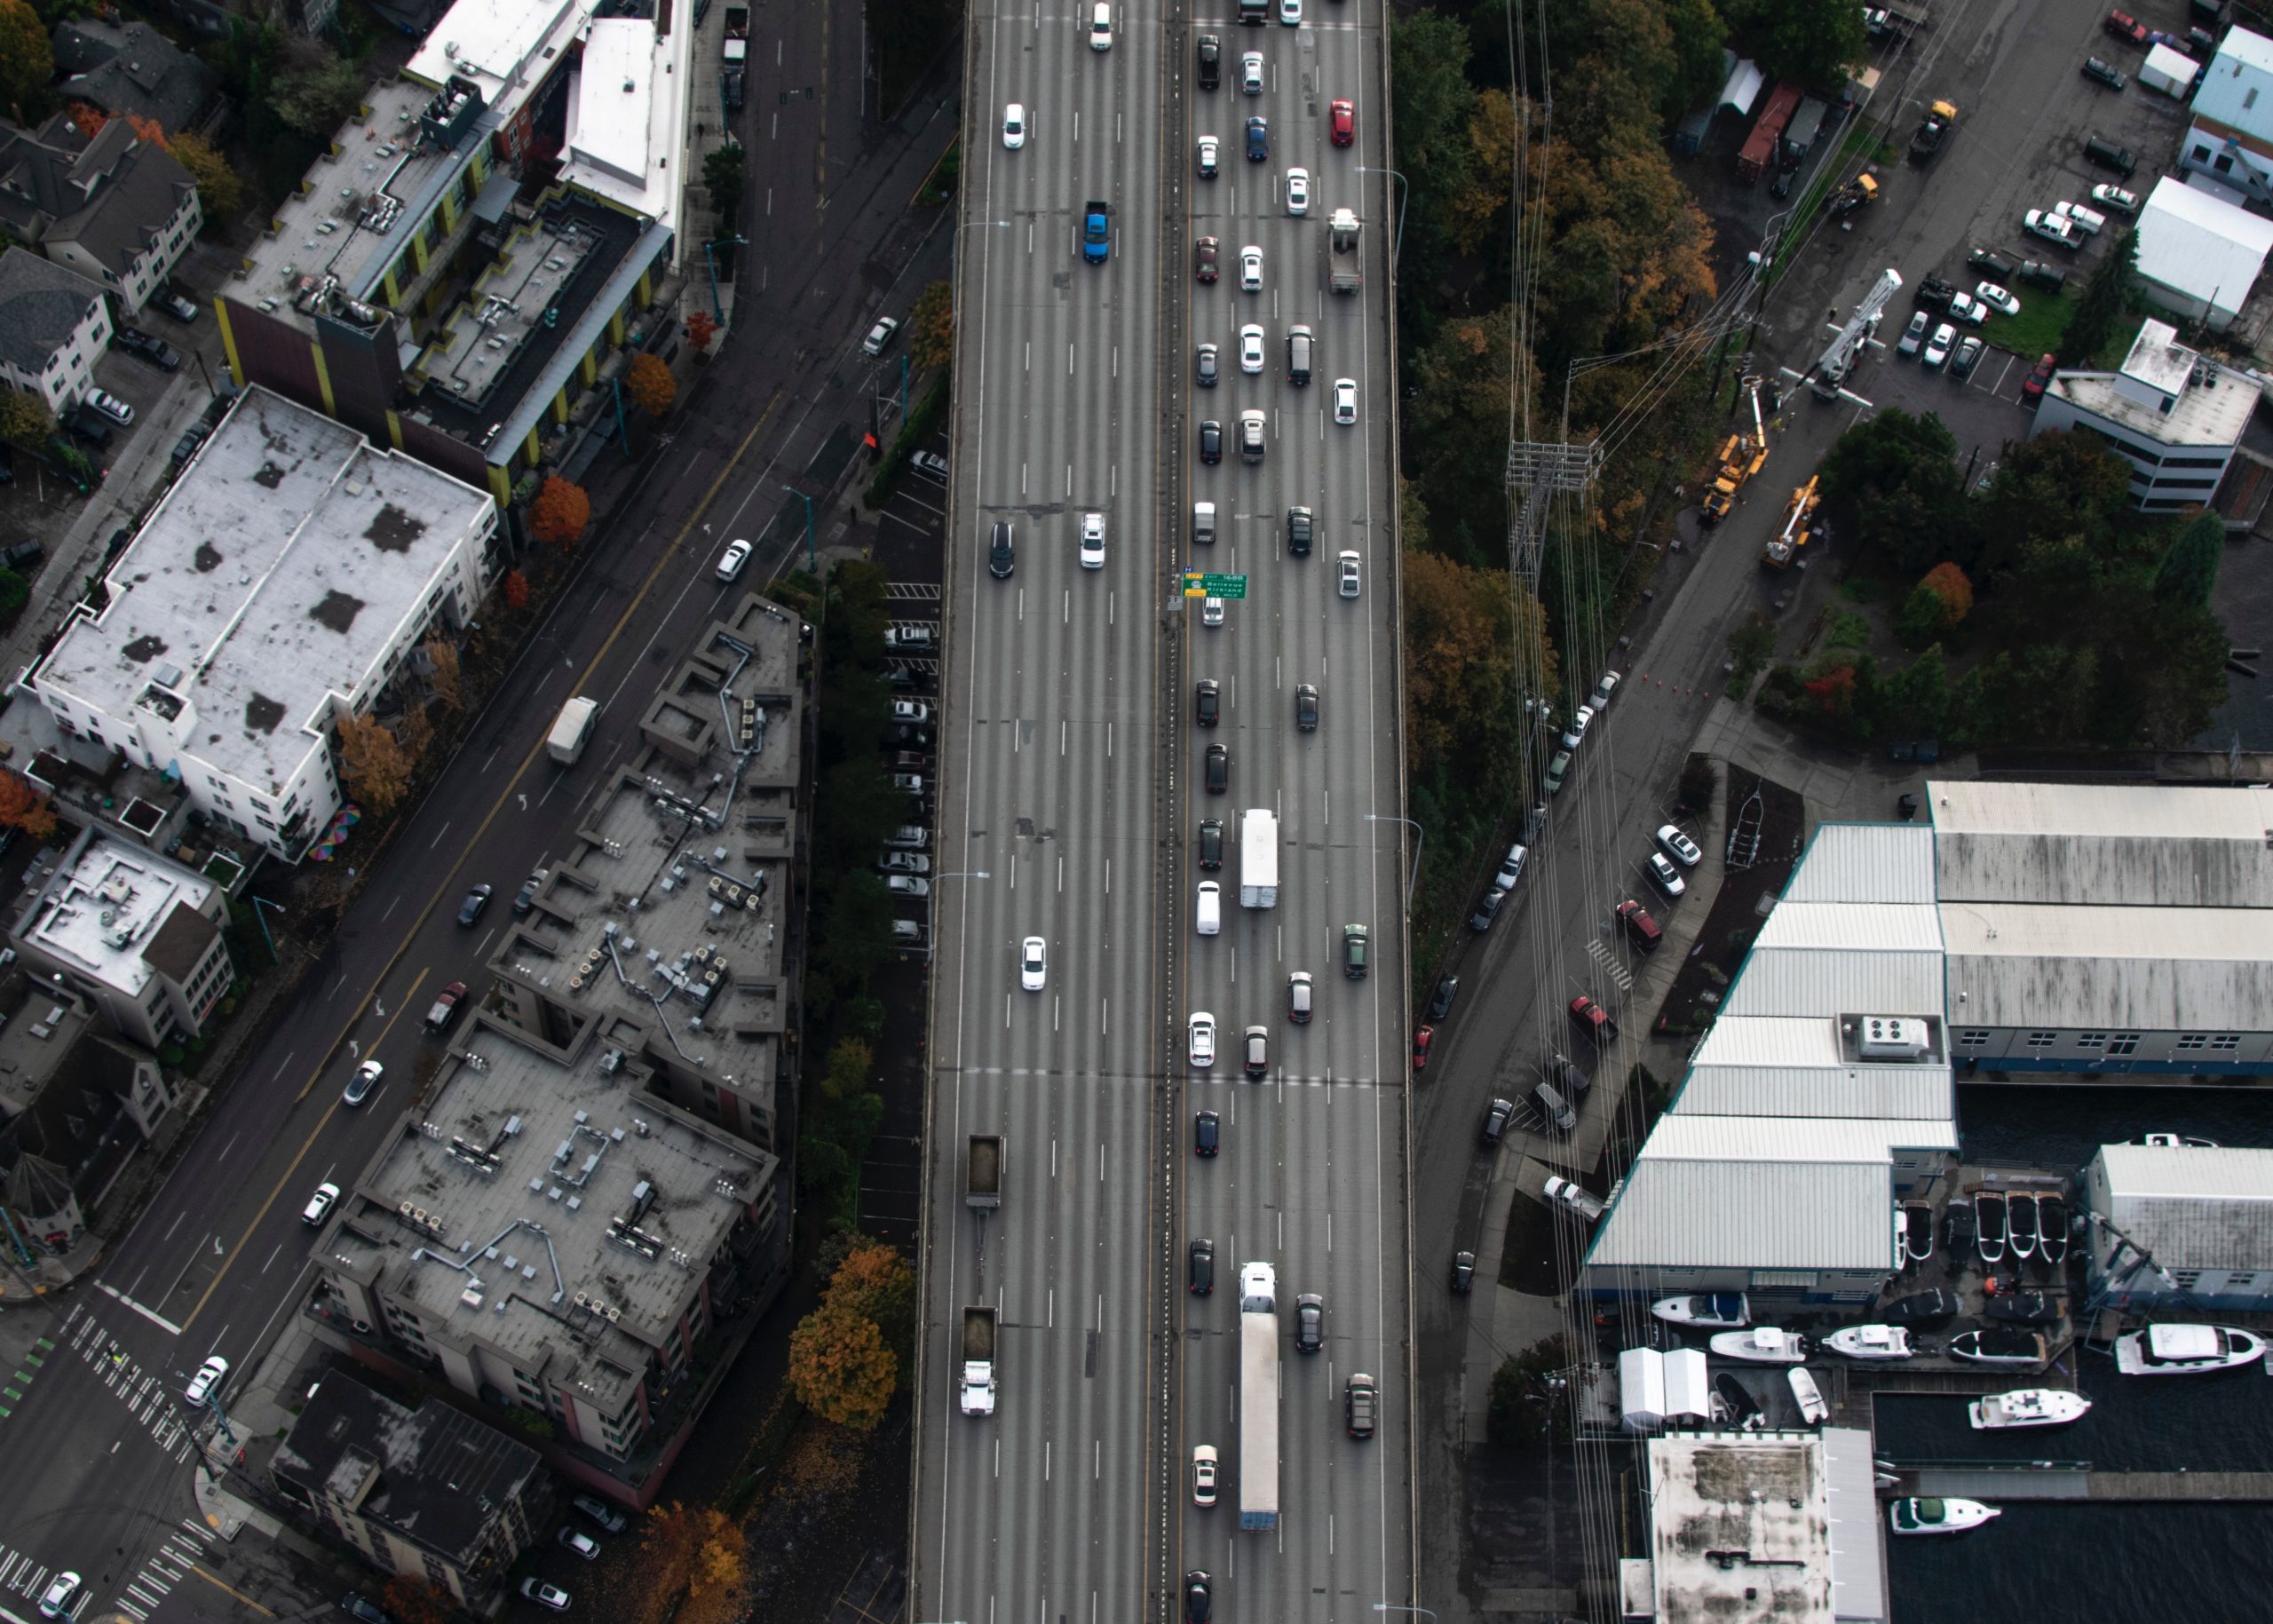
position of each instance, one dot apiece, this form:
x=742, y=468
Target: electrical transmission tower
x=1537, y=471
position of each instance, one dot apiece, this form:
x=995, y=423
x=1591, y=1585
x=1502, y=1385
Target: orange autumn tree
x=701, y=329
x=650, y=385
x=560, y=511
x=840, y=1369
x=23, y=807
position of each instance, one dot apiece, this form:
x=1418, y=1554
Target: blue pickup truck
x=1096, y=232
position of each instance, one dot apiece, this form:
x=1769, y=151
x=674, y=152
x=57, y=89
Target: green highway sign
x=1197, y=585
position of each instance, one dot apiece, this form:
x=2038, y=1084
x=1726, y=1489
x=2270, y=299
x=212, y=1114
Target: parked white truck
x=1259, y=859
x=571, y=730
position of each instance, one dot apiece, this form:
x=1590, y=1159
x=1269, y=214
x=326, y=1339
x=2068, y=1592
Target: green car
x=1353, y=951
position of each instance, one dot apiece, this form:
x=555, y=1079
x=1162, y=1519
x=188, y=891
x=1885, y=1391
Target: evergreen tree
x=2106, y=299
x=2190, y=569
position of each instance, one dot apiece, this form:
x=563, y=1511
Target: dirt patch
x=1777, y=826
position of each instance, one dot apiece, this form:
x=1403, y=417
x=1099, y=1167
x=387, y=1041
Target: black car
x=1002, y=553
x=1781, y=186
x=23, y=558
x=1211, y=843
x=150, y=347
x=1206, y=1130
x=1497, y=1115
x=1441, y=1004
x=1211, y=61
x=1568, y=1079
x=192, y=438
x=1935, y=292
x=2051, y=276
x=1463, y=1272
x=2104, y=72
x=1487, y=909
x=1310, y=1323
x=1211, y=441
x=1201, y=1258
x=1207, y=702
x=1199, y=1592
x=2106, y=155
x=1300, y=528
x=1258, y=140
x=364, y=1609
x=475, y=902
x=1306, y=709
x=1998, y=268
x=1219, y=769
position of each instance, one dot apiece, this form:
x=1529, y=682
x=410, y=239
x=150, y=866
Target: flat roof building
x=286, y=579
x=2171, y=413
x=2230, y=148
x=2183, y=1226
x=2199, y=254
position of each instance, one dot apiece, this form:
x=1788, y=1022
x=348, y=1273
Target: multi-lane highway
x=1075, y=782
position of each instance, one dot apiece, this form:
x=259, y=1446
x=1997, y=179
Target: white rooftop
x=1740, y=1528
x=2146, y=846
x=1797, y=1067
x=103, y=911
x=504, y=47
x=1866, y=862
x=624, y=118
x=2194, y=1207
x=268, y=582
x=2201, y=245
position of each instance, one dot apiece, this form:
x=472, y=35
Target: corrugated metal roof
x=1866, y=926
x=1866, y=862
x=1679, y=1212
x=2193, y=1208
x=1858, y=1585
x=2021, y=930
x=2102, y=991
x=1725, y=1081
x=1775, y=1138
x=2158, y=846
x=1837, y=981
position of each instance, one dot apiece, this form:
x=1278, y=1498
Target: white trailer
x=1259, y=859
x=1258, y=1397
x=571, y=730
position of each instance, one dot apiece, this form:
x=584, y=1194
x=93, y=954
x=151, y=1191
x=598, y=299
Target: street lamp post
x=1419, y=835
x=712, y=260
x=1396, y=243
x=259, y=903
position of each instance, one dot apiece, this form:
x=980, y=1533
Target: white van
x=1101, y=26
x=1211, y=907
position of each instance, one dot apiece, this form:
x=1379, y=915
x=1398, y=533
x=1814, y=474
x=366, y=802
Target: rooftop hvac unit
x=1893, y=1037
x=582, y=1298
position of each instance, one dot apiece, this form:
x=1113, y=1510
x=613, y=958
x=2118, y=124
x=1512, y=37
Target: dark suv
x=1202, y=1264
x=1211, y=843
x=1002, y=553
x=1299, y=531
x=1211, y=61
x=1496, y=1117
x=1998, y=267
x=1207, y=702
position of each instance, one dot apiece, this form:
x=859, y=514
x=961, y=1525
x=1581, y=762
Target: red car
x=1342, y=128
x=2126, y=27
x=2033, y=389
x=1203, y=258
x=1422, y=1036
x=1592, y=1019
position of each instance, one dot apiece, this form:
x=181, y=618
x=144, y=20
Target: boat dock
x=2076, y=1480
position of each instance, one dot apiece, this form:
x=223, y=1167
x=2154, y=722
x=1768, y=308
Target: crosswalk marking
x=1608, y=961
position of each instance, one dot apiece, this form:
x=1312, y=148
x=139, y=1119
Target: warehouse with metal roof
x=1810, y=1066
x=2181, y=1226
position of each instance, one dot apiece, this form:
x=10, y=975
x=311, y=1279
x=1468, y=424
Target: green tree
x=1698, y=34
x=318, y=97
x=27, y=62
x=1430, y=142
x=1892, y=483
x=2190, y=569
x=1751, y=646
x=1805, y=41
x=24, y=419
x=220, y=190
x=722, y=176
x=2185, y=680
x=2057, y=511
x=1917, y=699
x=932, y=326
x=2104, y=302
x=1457, y=432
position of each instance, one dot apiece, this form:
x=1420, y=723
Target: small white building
x=2181, y=1226
x=53, y=324
x=138, y=935
x=2230, y=144
x=2169, y=70
x=2172, y=413
x=2199, y=254
x=290, y=576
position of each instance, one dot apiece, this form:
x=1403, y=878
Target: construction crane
x=1799, y=526
x=1831, y=367
x=1740, y=458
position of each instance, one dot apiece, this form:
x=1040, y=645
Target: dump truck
x=1940, y=118
x=1861, y=190
x=1799, y=522
x=1740, y=458
x=978, y=1361
x=1259, y=859
x=982, y=1184
x=1758, y=149
x=737, y=51
x=1342, y=274
x=571, y=730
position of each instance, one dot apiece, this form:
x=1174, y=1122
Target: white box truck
x=1259, y=859
x=1258, y=1397
x=571, y=730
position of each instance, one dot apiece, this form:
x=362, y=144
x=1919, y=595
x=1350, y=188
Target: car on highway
x=1913, y=337
x=1290, y=12
x=1463, y=1272
x=1199, y=1268
x=1511, y=868
x=1208, y=148
x=1310, y=1322
x=2052, y=227
x=1591, y=1018
x=1354, y=945
x=1101, y=26
x=1301, y=528
x=1014, y=126
x=1667, y=876
x=1299, y=996
x=1217, y=769
x=1348, y=563
x=1211, y=61
x=1359, y=1399
x=1251, y=437
x=1967, y=353
x=1679, y=846
x=879, y=335
x=1345, y=400
x=208, y=1380
x=476, y=899
x=1203, y=1474
x=2105, y=73
x=1207, y=702
x=2033, y=388
x=2115, y=198
x=577, y=1541
x=1211, y=440
x=1200, y=1034
x=1298, y=190
x=1211, y=843
x=1423, y=1035
x=61, y=1595
x=1033, y=964
x=364, y=1082
x=1199, y=1597
x=1207, y=1133
x=1251, y=348
x=1937, y=348
x=1257, y=1050
x=1440, y=1002
x=1250, y=269
x=610, y=1519
x=319, y=1205
x=1342, y=123
x=1205, y=371
x=1204, y=253
x=1258, y=140
x=1002, y=550
x=1305, y=708
x=1251, y=72
x=731, y=562
x=1577, y=732
x=150, y=347
x=1092, y=542
x=1997, y=298
x=544, y=1595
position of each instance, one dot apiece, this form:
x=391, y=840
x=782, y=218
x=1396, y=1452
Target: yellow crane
x=1740, y=458
x=1799, y=522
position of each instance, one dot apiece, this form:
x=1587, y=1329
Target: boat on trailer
x=2027, y=1406
x=1958, y=1229
x=2052, y=1221
x=1922, y=1307
x=1762, y=1344
x=1808, y=1396
x=1926, y=1515
x=1870, y=1342
x=1712, y=1311
x=2020, y=1224
x=2012, y=1349
x=2185, y=1349
x=1990, y=1206
x=2022, y=1307
x=1917, y=1231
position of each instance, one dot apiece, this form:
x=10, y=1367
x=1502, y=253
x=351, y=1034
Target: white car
x=581, y=1543
x=1345, y=400
x=1251, y=72
x=319, y=1204
x=111, y=407
x=2088, y=221
x=1349, y=561
x=206, y=1382
x=1203, y=1474
x=1967, y=310
x=1666, y=875
x=1210, y=149
x=880, y=336
x=364, y=1082
x=1250, y=269
x=1679, y=846
x=1201, y=1029
x=2055, y=227
x=1604, y=689
x=1938, y=349
x=553, y=1596
x=913, y=711
x=731, y=562
x=62, y=1594
x=1511, y=869
x=1014, y=126
x=1251, y=347
x=1290, y=12
x=2117, y=199
x=1298, y=190
x=1034, y=963
x=1211, y=612
x=1577, y=728
x=906, y=885
x=1996, y=299
x=1092, y=541
x=1101, y=26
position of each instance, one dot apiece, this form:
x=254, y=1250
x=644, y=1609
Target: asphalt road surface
x=1075, y=787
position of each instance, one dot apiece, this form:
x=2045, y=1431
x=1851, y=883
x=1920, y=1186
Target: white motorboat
x=2027, y=1406
x=2183, y=1350
x=1929, y=1516
x=1716, y=1311
x=2174, y=1141
x=1762, y=1344
x=1808, y=1396
x=1870, y=1342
